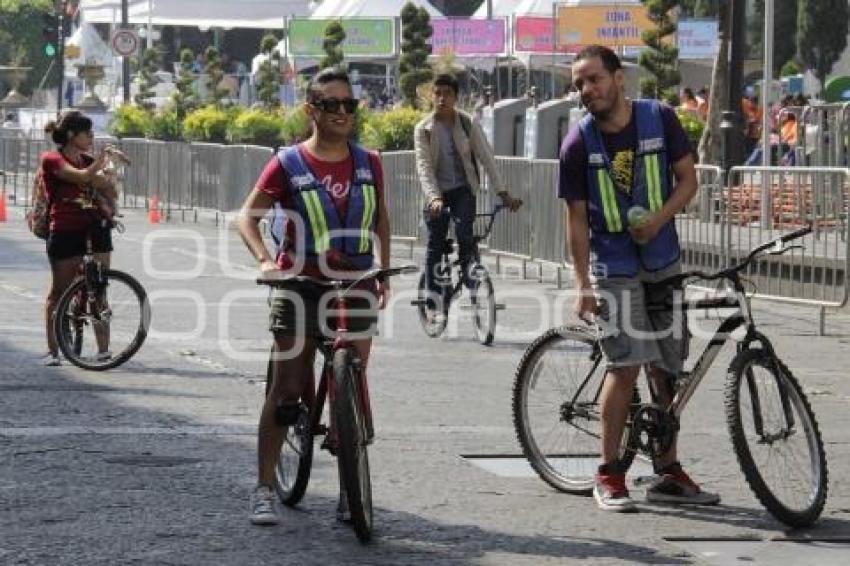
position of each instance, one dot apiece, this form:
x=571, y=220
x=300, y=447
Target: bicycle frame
x=476, y=256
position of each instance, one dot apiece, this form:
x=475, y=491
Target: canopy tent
x=262, y=14
x=506, y=8
x=368, y=8
x=85, y=45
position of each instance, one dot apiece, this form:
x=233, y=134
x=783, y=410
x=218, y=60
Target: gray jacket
x=428, y=150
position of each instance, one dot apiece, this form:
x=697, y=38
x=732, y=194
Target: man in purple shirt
x=624, y=154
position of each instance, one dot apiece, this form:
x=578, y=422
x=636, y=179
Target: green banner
x=363, y=38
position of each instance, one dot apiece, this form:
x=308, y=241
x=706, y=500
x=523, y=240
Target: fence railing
x=723, y=222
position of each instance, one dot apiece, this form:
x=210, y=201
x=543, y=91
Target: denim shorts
x=634, y=336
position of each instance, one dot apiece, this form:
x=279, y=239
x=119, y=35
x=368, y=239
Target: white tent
x=92, y=49
x=367, y=8
x=263, y=14
x=505, y=8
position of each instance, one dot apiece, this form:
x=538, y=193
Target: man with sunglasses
x=335, y=219
x=449, y=146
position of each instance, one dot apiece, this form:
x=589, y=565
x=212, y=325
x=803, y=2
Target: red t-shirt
x=65, y=214
x=336, y=177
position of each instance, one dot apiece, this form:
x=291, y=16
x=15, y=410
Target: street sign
x=125, y=42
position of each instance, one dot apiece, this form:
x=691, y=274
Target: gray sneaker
x=262, y=506
x=51, y=360
x=677, y=487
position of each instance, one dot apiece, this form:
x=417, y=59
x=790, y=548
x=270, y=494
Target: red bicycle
x=343, y=385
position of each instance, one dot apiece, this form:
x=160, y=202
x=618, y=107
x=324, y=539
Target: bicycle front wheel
x=483, y=306
x=433, y=320
x=295, y=462
x=352, y=456
x=776, y=438
x=99, y=325
x=556, y=409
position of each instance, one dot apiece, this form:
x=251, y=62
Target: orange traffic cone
x=153, y=213
x=3, y=205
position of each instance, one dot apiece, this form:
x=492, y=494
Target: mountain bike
x=102, y=318
x=434, y=311
x=774, y=432
x=343, y=386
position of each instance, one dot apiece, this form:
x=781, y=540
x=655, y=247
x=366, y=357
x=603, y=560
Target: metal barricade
x=405, y=201
x=797, y=196
x=512, y=232
x=702, y=227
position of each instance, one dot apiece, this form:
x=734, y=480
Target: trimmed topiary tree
x=413, y=64
x=268, y=75
x=660, y=60
x=334, y=36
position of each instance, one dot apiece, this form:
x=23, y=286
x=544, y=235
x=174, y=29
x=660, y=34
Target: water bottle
x=636, y=216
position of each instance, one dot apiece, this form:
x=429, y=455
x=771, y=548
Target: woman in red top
x=70, y=177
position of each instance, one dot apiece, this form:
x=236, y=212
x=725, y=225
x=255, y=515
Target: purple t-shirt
x=572, y=183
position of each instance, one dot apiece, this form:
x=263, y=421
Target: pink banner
x=469, y=37
x=534, y=34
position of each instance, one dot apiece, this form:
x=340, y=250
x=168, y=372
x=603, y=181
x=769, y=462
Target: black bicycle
x=774, y=432
x=343, y=385
x=434, y=311
x=102, y=318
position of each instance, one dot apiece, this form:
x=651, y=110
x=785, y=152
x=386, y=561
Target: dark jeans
x=459, y=204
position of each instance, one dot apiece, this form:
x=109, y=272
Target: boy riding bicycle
x=336, y=216
x=449, y=146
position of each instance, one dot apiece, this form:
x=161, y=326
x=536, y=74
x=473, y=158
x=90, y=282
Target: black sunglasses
x=334, y=104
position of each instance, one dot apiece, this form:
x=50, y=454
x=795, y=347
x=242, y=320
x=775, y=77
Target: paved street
x=153, y=462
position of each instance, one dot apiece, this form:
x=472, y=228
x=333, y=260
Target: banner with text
x=697, y=39
x=363, y=37
x=614, y=26
x=534, y=34
x=465, y=36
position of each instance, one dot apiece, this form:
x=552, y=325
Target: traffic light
x=50, y=32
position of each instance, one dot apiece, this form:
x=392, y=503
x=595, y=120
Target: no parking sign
x=125, y=42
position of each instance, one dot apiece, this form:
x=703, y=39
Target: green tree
x=21, y=41
x=268, y=75
x=151, y=62
x=215, y=74
x=700, y=8
x=821, y=34
x=662, y=54
x=413, y=64
x=334, y=36
x=185, y=97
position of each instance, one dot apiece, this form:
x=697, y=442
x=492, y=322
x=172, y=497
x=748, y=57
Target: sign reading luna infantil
x=464, y=36
x=613, y=26
x=363, y=37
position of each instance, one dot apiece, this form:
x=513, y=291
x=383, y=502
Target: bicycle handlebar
x=776, y=243
x=281, y=279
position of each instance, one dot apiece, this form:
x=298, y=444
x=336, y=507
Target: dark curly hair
x=70, y=122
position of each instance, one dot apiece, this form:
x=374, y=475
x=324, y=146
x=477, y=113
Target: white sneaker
x=103, y=356
x=51, y=360
x=262, y=506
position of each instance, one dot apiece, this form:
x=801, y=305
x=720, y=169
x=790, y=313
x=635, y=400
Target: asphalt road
x=153, y=462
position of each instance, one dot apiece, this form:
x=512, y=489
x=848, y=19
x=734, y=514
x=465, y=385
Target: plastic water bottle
x=636, y=215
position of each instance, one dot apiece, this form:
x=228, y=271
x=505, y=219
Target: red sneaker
x=611, y=493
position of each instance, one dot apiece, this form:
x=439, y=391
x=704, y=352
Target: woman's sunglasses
x=333, y=104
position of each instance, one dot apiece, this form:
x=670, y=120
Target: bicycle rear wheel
x=556, y=409
x=784, y=462
x=433, y=323
x=352, y=455
x=295, y=462
x=100, y=325
x=483, y=306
